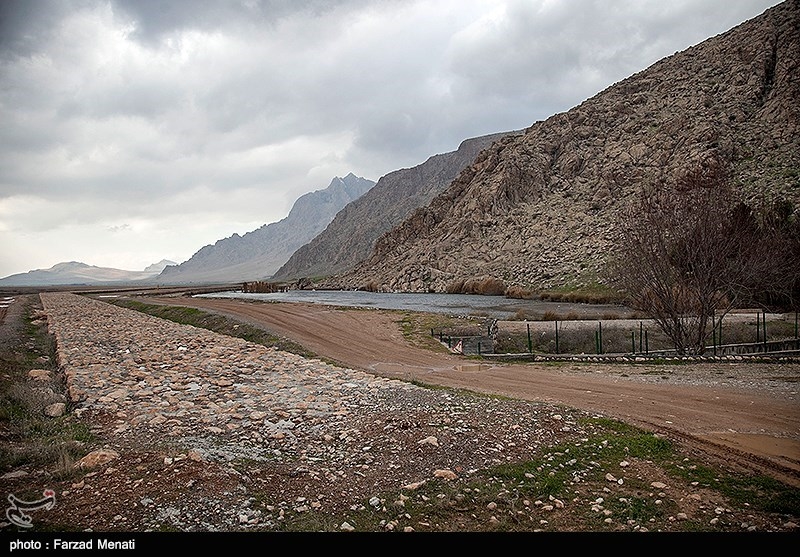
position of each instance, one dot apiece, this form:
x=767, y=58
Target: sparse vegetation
x=422, y=329
x=483, y=286
x=213, y=322
x=564, y=488
x=577, y=338
x=595, y=293
x=35, y=441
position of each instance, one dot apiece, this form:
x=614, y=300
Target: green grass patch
x=529, y=495
x=758, y=491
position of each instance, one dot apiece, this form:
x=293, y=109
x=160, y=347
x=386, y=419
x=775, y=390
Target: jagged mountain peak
x=257, y=254
x=349, y=238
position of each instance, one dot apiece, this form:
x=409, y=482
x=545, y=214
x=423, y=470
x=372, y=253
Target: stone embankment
x=193, y=394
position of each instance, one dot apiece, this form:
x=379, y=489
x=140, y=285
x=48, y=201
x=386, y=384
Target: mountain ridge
x=350, y=237
x=540, y=210
x=257, y=254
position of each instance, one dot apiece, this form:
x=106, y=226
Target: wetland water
x=498, y=307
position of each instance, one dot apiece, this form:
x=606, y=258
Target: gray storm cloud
x=151, y=112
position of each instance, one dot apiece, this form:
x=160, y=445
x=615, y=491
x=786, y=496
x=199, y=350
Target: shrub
x=455, y=287
x=370, y=286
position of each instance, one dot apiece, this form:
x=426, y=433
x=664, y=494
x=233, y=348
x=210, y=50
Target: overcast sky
x=138, y=130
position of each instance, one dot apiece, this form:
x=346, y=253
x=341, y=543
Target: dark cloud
x=204, y=117
x=155, y=19
x=25, y=23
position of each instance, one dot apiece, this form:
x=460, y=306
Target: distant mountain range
x=74, y=273
x=536, y=208
x=258, y=254
x=253, y=256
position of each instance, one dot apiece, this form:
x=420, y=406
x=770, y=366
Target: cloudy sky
x=140, y=130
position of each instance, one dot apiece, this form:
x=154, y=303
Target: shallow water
x=498, y=307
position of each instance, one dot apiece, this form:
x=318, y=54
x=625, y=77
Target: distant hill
x=75, y=273
x=350, y=237
x=258, y=254
x=540, y=210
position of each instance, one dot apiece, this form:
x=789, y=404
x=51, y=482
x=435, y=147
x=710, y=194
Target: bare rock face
x=540, y=210
x=350, y=237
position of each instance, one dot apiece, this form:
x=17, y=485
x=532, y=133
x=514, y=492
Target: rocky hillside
x=350, y=237
x=258, y=254
x=540, y=210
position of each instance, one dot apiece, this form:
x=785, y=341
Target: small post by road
x=530, y=345
x=758, y=329
x=714, y=334
x=640, y=335
x=598, y=337
x=557, y=350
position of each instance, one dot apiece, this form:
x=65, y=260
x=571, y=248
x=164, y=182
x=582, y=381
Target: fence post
x=758, y=329
x=600, y=330
x=714, y=334
x=530, y=346
x=764, y=327
x=557, y=349
x=633, y=342
x=640, y=335
x=646, y=345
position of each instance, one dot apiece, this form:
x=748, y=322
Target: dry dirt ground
x=743, y=416
x=743, y=413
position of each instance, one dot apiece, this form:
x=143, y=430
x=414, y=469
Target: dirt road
x=746, y=414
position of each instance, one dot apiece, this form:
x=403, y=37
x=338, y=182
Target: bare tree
x=692, y=251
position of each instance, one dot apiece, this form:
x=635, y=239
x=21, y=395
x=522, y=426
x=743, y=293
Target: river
x=498, y=307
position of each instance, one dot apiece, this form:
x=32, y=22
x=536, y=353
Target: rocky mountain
x=256, y=255
x=77, y=273
x=540, y=210
x=350, y=237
